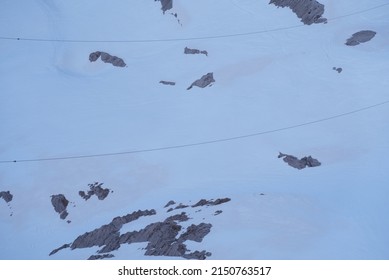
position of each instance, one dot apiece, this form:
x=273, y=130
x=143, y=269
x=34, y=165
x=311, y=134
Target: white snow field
x=272, y=74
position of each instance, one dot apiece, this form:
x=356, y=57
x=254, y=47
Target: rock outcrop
x=309, y=11
x=299, y=163
x=163, y=238
x=194, y=51
x=337, y=69
x=166, y=5
x=107, y=58
x=6, y=195
x=167, y=83
x=204, y=202
x=360, y=37
x=100, y=257
x=60, y=203
x=95, y=189
x=204, y=81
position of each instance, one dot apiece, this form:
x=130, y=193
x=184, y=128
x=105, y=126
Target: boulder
x=6, y=195
x=107, y=58
x=360, y=37
x=204, y=81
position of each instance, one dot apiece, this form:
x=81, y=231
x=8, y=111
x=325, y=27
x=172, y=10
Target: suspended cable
x=187, y=38
x=200, y=143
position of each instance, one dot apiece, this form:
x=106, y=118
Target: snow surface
x=55, y=103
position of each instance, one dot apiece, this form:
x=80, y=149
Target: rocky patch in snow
x=204, y=202
x=167, y=83
x=309, y=11
x=194, y=51
x=204, y=81
x=60, y=203
x=337, y=69
x=166, y=5
x=107, y=58
x=100, y=257
x=299, y=163
x=164, y=238
x=360, y=37
x=7, y=196
x=171, y=202
x=95, y=189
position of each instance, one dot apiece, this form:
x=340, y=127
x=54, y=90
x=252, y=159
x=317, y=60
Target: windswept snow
x=67, y=122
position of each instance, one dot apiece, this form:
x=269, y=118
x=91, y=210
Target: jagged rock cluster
x=107, y=58
x=100, y=257
x=6, y=195
x=95, y=189
x=164, y=238
x=204, y=81
x=60, y=203
x=194, y=51
x=299, y=163
x=309, y=11
x=166, y=5
x=360, y=37
x=201, y=202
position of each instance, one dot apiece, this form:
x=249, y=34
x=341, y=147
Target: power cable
x=200, y=143
x=185, y=39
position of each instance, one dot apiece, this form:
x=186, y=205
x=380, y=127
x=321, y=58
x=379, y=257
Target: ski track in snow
x=55, y=102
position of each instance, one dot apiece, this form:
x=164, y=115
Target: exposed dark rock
x=108, y=234
x=63, y=215
x=60, y=203
x=309, y=11
x=107, y=58
x=60, y=248
x=181, y=206
x=161, y=237
x=360, y=37
x=178, y=217
x=100, y=257
x=167, y=83
x=299, y=163
x=218, y=212
x=204, y=81
x=95, y=189
x=6, y=195
x=337, y=69
x=197, y=255
x=171, y=202
x=166, y=5
x=196, y=232
x=204, y=202
x=194, y=51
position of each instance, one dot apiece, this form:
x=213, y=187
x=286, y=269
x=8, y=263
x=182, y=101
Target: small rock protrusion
x=337, y=69
x=194, y=51
x=60, y=203
x=360, y=37
x=167, y=83
x=204, y=81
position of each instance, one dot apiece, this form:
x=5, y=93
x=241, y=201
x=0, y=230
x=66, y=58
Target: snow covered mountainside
x=143, y=129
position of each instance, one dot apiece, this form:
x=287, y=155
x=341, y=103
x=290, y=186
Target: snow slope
x=55, y=103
